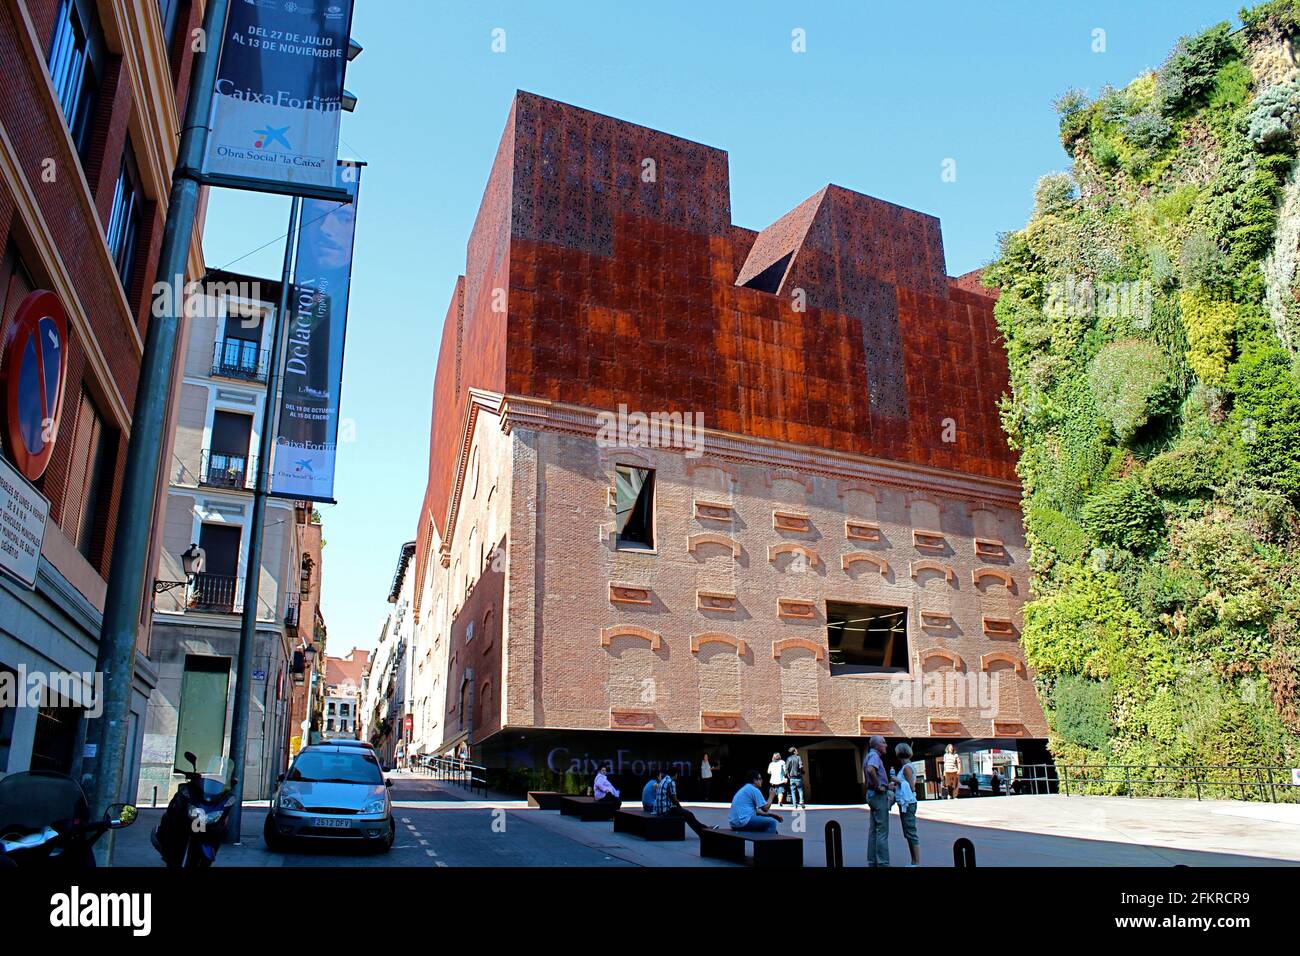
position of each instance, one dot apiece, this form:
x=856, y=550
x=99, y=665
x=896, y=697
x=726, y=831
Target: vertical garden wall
x=1151, y=315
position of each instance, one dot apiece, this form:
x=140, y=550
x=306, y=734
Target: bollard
x=834, y=846
x=963, y=854
x=155, y=797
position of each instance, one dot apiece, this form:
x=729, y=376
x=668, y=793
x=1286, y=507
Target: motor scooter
x=194, y=823
x=45, y=822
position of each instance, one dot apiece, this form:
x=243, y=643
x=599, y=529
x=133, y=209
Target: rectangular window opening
x=866, y=638
x=634, y=507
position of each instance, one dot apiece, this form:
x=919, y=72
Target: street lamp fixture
x=192, y=561
x=349, y=102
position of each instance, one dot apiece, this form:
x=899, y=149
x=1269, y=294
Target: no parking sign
x=34, y=368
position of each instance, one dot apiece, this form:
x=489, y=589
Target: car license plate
x=329, y=822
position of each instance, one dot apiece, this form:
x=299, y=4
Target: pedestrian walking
x=776, y=780
x=748, y=811
x=951, y=772
x=794, y=777
x=905, y=796
x=879, y=794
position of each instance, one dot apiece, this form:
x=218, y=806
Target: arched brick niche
x=802, y=643
x=774, y=551
x=857, y=557
x=984, y=577
x=930, y=564
x=717, y=637
x=1002, y=657
x=695, y=541
x=953, y=660
x=607, y=634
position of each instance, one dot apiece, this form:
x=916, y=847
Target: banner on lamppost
x=276, y=108
x=306, y=442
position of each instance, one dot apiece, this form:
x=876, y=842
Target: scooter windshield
x=31, y=800
x=218, y=776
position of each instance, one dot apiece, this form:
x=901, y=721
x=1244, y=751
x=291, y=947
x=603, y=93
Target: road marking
x=406, y=819
x=424, y=842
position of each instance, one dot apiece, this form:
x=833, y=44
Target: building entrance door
x=833, y=776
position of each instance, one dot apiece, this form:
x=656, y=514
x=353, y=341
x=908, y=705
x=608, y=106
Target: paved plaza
x=441, y=826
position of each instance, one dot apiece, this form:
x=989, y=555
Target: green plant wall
x=1151, y=315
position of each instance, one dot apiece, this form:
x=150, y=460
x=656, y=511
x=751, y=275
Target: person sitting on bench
x=648, y=792
x=603, y=790
x=748, y=809
x=666, y=804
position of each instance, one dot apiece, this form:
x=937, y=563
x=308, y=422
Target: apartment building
x=89, y=126
x=218, y=417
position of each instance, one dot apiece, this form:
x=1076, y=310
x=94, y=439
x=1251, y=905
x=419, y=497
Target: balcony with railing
x=240, y=359
x=224, y=470
x=221, y=593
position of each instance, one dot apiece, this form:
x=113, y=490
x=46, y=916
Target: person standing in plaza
x=794, y=777
x=905, y=796
x=951, y=772
x=706, y=778
x=879, y=792
x=776, y=780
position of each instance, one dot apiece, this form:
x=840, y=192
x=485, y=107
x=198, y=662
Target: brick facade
x=849, y=451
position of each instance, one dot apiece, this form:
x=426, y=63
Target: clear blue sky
x=884, y=94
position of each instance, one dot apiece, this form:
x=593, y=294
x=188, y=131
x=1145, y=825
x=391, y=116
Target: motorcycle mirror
x=120, y=815
x=194, y=761
x=388, y=782
x=279, y=778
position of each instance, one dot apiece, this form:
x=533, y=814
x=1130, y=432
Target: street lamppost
x=193, y=562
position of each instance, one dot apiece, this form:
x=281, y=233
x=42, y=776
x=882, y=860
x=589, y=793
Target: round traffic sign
x=35, y=369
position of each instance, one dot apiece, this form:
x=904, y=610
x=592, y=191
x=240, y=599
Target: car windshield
x=349, y=766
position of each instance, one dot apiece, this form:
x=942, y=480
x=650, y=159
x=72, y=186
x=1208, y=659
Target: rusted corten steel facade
x=836, y=367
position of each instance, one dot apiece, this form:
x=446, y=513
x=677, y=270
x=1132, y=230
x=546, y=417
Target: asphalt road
x=434, y=828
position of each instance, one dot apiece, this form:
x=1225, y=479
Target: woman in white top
x=905, y=795
x=776, y=770
x=951, y=771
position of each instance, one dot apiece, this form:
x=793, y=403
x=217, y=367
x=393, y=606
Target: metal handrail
x=225, y=469
x=240, y=359
x=471, y=776
x=1207, y=781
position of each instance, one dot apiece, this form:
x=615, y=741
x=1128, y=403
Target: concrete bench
x=651, y=826
x=770, y=849
x=544, y=799
x=587, y=809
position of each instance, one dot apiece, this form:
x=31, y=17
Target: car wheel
x=386, y=844
x=274, y=842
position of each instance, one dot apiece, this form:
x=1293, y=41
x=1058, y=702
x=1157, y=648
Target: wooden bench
x=587, y=809
x=770, y=849
x=652, y=826
x=544, y=799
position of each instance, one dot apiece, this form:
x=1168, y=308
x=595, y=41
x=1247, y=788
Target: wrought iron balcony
x=214, y=592
x=222, y=470
x=240, y=359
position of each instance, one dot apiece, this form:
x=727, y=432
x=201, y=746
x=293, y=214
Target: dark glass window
x=76, y=67
x=90, y=480
x=866, y=638
x=169, y=10
x=124, y=219
x=634, y=506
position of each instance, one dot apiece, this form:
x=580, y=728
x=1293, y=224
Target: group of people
x=750, y=809
x=886, y=788
x=785, y=779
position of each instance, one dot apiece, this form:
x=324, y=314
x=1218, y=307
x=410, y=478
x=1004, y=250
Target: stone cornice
x=542, y=415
